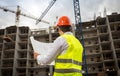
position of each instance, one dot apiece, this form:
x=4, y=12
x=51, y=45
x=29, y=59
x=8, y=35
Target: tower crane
x=18, y=13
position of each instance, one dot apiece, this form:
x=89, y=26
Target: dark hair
x=65, y=28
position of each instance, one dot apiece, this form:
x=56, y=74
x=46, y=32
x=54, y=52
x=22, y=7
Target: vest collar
x=68, y=33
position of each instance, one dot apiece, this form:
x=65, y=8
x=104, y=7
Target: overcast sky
x=61, y=7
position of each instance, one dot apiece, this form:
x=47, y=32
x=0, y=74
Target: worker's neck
x=61, y=32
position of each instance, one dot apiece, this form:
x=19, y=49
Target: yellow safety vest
x=70, y=63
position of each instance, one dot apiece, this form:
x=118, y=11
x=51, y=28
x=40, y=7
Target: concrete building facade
x=102, y=45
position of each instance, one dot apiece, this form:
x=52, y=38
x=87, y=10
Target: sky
x=88, y=9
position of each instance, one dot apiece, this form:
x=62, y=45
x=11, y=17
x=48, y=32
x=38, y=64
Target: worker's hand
x=35, y=55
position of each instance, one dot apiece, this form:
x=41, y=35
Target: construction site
x=100, y=38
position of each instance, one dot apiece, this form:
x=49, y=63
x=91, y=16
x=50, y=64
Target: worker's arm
x=59, y=46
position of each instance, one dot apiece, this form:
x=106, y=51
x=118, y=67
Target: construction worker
x=67, y=51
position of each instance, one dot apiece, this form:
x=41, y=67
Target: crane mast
x=17, y=15
x=79, y=33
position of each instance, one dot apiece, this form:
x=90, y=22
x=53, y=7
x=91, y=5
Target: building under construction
x=101, y=42
x=102, y=45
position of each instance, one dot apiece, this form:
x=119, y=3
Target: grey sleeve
x=59, y=46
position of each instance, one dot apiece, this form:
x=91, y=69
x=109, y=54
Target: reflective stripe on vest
x=68, y=61
x=67, y=70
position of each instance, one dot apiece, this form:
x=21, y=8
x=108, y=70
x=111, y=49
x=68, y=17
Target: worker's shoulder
x=59, y=39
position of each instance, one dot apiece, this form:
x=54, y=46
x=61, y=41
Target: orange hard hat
x=64, y=21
